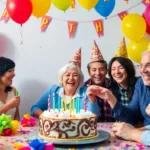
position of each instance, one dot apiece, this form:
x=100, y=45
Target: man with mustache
x=138, y=108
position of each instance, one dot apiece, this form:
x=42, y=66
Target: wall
x=40, y=56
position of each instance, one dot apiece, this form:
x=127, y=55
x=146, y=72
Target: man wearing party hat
x=68, y=93
x=97, y=69
x=122, y=74
x=137, y=110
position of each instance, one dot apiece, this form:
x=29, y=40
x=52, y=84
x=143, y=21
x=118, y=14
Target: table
x=112, y=144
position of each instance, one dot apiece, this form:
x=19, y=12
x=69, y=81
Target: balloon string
x=21, y=36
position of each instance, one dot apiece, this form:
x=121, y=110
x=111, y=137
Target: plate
x=102, y=136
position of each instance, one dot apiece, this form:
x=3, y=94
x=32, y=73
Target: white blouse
x=11, y=111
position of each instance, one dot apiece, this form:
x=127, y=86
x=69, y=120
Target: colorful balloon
x=134, y=26
x=147, y=14
x=40, y=7
x=62, y=4
x=105, y=8
x=147, y=25
x=88, y=4
x=19, y=10
x=135, y=49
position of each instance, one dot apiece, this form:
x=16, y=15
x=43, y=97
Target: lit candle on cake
x=70, y=107
x=62, y=107
x=73, y=105
x=78, y=105
x=64, y=104
x=59, y=103
x=53, y=101
x=49, y=103
x=85, y=103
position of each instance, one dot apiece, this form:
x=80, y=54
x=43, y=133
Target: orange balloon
x=40, y=7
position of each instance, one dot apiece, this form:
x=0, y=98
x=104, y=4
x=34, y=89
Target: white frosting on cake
x=67, y=125
x=67, y=114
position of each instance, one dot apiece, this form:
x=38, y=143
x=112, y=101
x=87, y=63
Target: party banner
x=99, y=27
x=45, y=22
x=5, y=16
x=72, y=26
x=146, y=2
x=122, y=14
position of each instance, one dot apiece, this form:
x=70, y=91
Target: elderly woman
x=70, y=89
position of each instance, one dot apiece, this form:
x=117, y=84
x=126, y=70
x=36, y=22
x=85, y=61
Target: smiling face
x=97, y=73
x=119, y=73
x=145, y=68
x=7, y=78
x=70, y=81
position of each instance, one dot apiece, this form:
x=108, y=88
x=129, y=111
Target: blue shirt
x=54, y=92
x=146, y=136
x=135, y=111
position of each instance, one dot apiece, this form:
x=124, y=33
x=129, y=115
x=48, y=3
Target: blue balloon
x=105, y=7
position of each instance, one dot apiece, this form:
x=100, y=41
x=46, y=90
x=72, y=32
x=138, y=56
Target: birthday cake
x=64, y=125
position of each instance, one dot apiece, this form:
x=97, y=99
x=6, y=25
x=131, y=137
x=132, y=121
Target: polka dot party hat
x=96, y=53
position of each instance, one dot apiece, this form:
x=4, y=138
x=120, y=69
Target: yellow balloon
x=62, y=4
x=134, y=26
x=15, y=126
x=88, y=4
x=40, y=7
x=135, y=49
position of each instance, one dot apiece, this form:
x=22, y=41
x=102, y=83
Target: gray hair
x=65, y=68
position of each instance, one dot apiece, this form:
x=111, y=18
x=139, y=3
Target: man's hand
x=123, y=130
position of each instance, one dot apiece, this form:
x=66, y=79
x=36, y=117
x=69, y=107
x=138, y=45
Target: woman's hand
x=14, y=102
x=101, y=92
x=92, y=92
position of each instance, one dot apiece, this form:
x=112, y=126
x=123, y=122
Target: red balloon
x=147, y=25
x=147, y=14
x=19, y=10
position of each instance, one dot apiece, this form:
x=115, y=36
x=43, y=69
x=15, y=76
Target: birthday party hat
x=122, y=50
x=96, y=53
x=76, y=59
